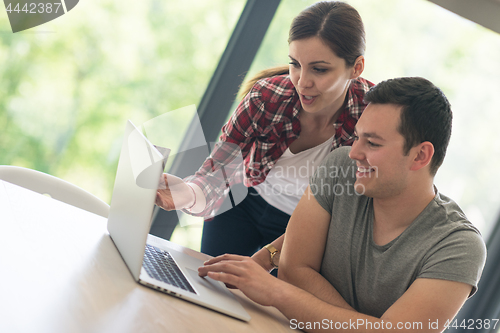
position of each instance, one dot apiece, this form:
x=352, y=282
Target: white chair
x=54, y=187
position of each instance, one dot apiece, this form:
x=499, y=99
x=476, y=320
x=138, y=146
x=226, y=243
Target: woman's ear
x=359, y=66
x=423, y=155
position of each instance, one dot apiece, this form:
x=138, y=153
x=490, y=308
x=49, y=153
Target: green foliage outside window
x=67, y=87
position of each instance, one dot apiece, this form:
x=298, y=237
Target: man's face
x=383, y=169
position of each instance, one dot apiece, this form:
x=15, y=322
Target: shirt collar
x=352, y=100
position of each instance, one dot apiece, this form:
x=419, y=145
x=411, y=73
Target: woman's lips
x=307, y=100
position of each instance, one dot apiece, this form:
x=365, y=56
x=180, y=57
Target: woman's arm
x=174, y=194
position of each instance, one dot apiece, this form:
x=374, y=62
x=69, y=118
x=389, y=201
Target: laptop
x=152, y=261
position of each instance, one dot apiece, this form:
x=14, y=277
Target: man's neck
x=393, y=215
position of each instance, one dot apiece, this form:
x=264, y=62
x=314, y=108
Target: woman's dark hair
x=425, y=113
x=336, y=23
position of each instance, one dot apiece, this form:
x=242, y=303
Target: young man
x=373, y=245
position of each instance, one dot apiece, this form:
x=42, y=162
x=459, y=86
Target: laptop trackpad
x=221, y=298
x=210, y=285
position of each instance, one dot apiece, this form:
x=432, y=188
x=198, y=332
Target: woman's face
x=320, y=77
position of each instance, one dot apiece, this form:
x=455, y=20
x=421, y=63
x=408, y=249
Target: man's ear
x=423, y=154
x=359, y=66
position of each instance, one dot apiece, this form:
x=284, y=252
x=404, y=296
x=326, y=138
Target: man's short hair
x=425, y=114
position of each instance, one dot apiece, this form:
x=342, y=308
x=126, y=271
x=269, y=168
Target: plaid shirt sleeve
x=235, y=157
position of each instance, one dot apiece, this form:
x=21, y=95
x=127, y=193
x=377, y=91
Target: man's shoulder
x=449, y=216
x=339, y=156
x=456, y=250
x=333, y=182
x=445, y=224
x=337, y=166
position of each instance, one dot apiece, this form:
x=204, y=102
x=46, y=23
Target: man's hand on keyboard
x=245, y=274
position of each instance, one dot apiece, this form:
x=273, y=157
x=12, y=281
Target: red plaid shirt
x=263, y=126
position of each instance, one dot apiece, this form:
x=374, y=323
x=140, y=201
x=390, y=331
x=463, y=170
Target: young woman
x=289, y=120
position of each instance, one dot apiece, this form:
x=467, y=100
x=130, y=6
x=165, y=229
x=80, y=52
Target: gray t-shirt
x=440, y=243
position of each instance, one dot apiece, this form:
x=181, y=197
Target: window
x=68, y=86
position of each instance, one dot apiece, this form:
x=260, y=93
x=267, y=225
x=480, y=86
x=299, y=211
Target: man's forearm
x=302, y=308
x=313, y=282
x=305, y=278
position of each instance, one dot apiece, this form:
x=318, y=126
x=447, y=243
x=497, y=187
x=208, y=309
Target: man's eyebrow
x=369, y=135
x=313, y=62
x=372, y=135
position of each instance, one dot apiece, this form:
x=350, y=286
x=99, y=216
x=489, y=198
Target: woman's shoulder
x=274, y=89
x=357, y=91
x=362, y=85
x=270, y=96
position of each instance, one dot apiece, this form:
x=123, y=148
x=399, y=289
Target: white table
x=60, y=272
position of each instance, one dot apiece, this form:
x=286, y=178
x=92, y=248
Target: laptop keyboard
x=161, y=266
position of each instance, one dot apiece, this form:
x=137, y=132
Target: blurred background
x=67, y=87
